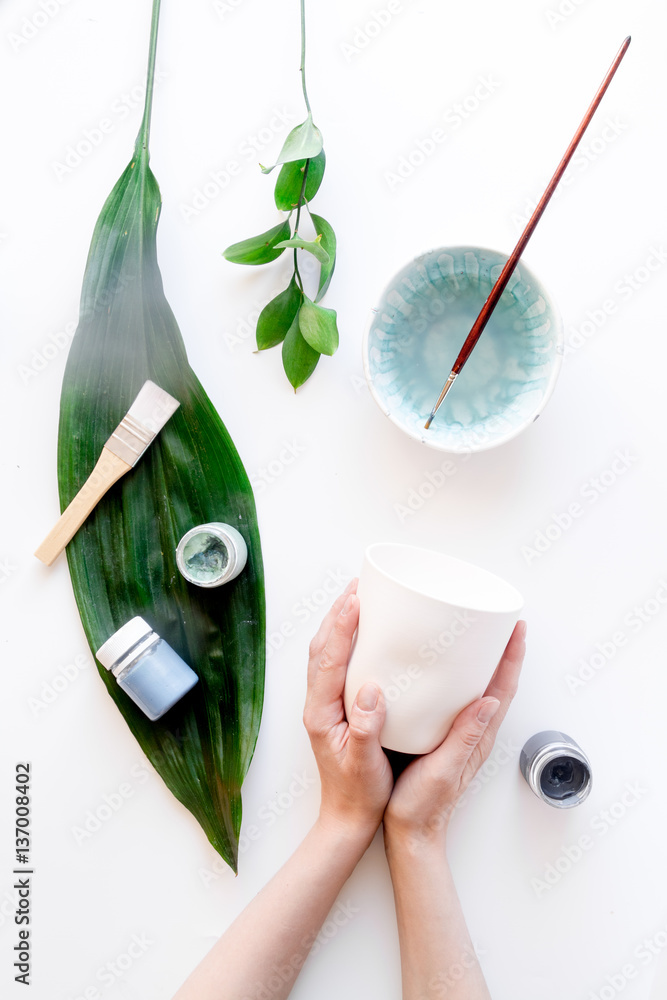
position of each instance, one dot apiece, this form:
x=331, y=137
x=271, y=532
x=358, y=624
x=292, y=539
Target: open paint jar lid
x=557, y=769
x=209, y=555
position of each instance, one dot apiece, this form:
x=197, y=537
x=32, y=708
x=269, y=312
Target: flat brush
x=143, y=421
x=506, y=273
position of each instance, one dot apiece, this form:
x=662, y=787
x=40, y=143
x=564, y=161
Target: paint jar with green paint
x=209, y=555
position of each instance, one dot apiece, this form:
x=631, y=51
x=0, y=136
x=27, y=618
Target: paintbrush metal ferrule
x=142, y=422
x=445, y=389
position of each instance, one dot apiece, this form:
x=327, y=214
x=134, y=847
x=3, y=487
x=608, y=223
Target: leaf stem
x=299, y=204
x=303, y=57
x=145, y=129
x=301, y=201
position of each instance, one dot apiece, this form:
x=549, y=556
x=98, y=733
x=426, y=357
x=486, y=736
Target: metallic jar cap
x=556, y=769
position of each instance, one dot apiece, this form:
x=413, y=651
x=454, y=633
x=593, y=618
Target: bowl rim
x=423, y=437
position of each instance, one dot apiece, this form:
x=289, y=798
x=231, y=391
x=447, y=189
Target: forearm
x=263, y=951
x=437, y=956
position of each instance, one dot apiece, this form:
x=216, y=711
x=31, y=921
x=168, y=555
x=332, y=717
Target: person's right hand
x=426, y=793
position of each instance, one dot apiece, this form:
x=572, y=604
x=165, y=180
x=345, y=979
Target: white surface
x=431, y=630
x=332, y=474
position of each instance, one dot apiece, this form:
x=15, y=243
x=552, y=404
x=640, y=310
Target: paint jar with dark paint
x=556, y=769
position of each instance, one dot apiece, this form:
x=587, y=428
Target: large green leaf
x=318, y=327
x=328, y=240
x=299, y=358
x=122, y=561
x=259, y=249
x=290, y=181
x=304, y=142
x=312, y=246
x=277, y=316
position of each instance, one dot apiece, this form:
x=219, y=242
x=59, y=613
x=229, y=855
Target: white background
x=148, y=870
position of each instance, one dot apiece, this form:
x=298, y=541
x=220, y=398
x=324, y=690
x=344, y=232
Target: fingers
x=503, y=686
x=365, y=723
x=319, y=641
x=473, y=733
x=327, y=681
x=469, y=727
x=505, y=681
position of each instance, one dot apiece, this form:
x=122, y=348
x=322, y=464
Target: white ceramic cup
x=432, y=629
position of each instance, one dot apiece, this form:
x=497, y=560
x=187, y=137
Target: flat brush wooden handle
x=107, y=471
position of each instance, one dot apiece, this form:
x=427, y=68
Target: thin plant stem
x=299, y=204
x=303, y=56
x=145, y=129
x=301, y=200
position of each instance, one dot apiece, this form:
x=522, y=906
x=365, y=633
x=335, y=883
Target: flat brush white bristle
x=153, y=407
x=143, y=421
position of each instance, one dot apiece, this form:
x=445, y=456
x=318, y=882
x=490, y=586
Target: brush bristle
x=153, y=407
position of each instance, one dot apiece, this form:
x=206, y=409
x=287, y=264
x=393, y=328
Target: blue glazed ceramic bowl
x=418, y=328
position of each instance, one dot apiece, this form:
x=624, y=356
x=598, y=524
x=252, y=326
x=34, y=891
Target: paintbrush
x=506, y=273
x=143, y=421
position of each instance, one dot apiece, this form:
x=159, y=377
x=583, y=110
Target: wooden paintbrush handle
x=108, y=470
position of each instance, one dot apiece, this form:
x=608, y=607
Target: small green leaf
x=290, y=181
x=259, y=249
x=303, y=142
x=277, y=316
x=318, y=327
x=299, y=358
x=328, y=241
x=312, y=246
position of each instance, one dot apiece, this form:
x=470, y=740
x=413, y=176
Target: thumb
x=365, y=723
x=468, y=728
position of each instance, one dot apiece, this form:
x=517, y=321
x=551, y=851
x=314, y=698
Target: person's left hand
x=355, y=772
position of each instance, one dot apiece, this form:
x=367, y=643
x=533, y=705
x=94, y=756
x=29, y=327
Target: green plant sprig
x=305, y=329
